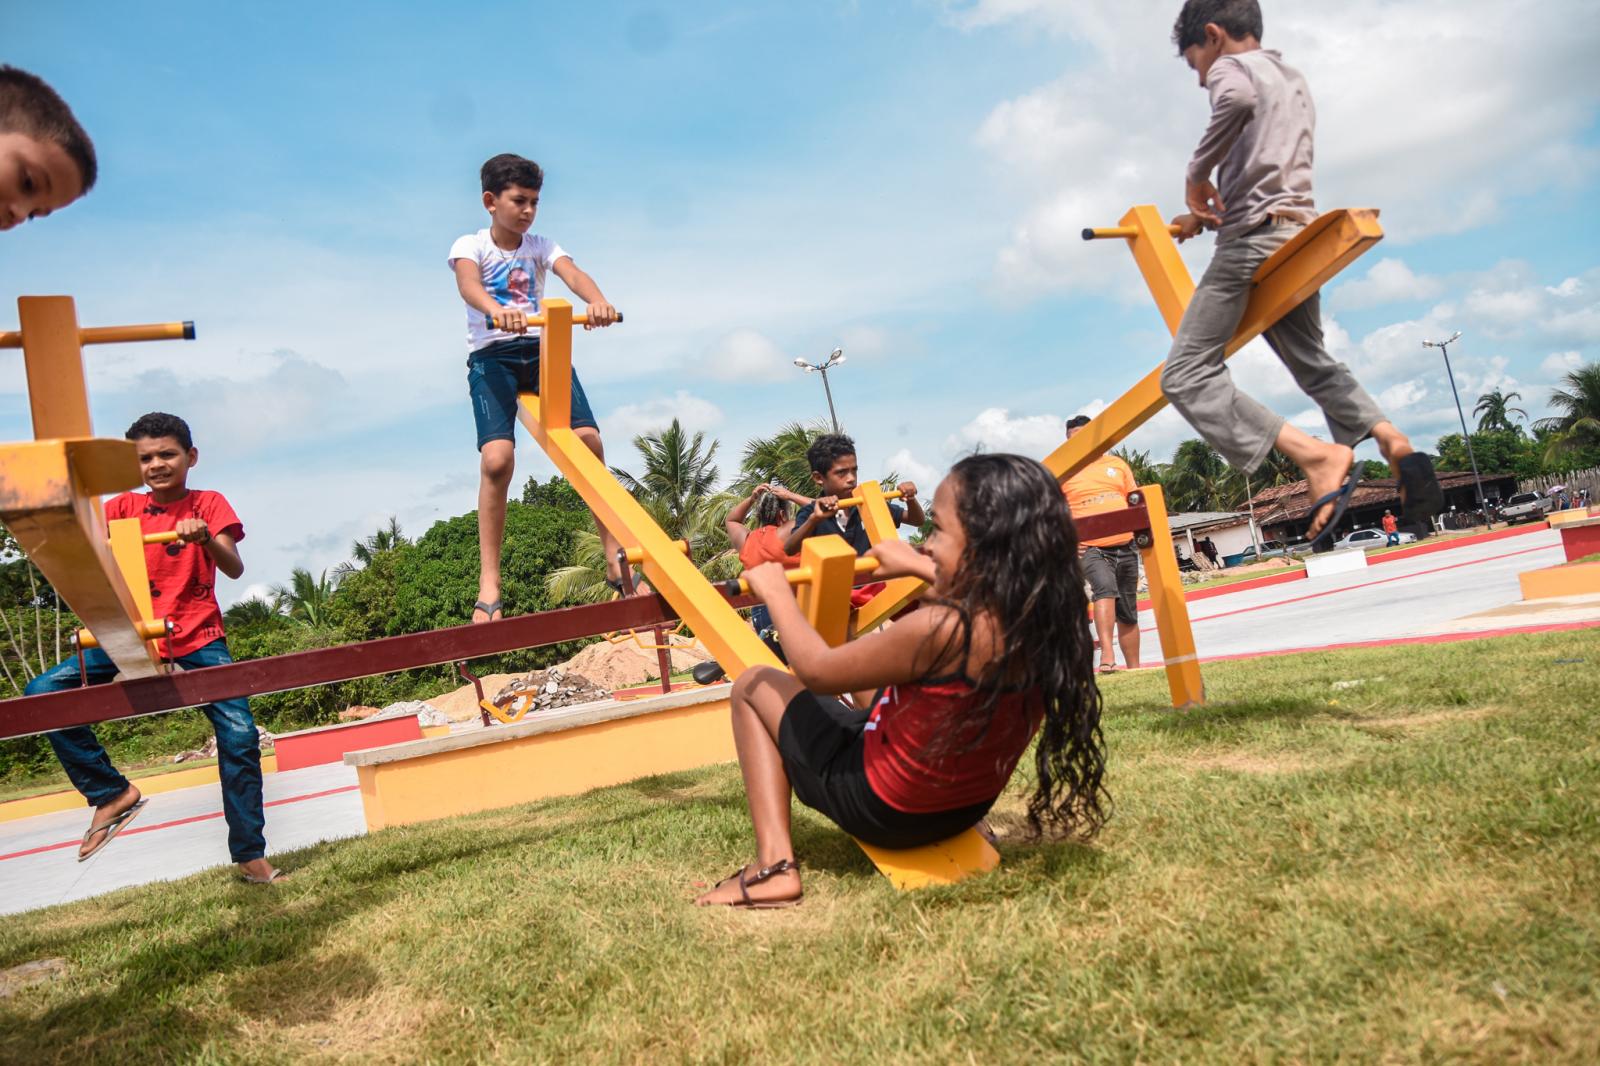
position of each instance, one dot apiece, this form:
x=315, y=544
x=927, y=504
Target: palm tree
x=1578, y=424
x=250, y=611
x=387, y=538
x=1200, y=479
x=1494, y=408
x=678, y=471
x=781, y=458
x=1144, y=471
x=305, y=598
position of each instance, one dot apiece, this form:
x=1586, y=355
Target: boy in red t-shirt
x=182, y=589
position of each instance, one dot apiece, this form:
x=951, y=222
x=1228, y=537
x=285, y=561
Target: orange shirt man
x=1110, y=564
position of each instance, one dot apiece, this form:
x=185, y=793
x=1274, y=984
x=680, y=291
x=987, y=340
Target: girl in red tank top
x=946, y=701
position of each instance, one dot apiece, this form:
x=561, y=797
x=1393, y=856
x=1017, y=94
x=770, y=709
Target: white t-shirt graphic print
x=513, y=279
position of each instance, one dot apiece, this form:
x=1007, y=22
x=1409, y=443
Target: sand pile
x=615, y=666
x=461, y=704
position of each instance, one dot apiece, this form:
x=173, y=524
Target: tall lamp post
x=835, y=357
x=1444, y=347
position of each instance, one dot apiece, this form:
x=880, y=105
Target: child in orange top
x=1000, y=651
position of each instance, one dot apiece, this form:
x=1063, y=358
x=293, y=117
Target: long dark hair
x=1020, y=569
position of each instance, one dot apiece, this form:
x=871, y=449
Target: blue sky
x=750, y=182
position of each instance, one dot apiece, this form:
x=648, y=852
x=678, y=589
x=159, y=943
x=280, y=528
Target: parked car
x=1270, y=549
x=1526, y=507
x=1370, y=538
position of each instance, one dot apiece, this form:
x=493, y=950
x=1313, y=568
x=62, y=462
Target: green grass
x=1405, y=869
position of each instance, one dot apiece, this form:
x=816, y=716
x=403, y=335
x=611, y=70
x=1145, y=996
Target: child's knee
x=591, y=439
x=498, y=460
x=751, y=678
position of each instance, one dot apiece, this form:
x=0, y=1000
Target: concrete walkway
x=177, y=834
x=1459, y=590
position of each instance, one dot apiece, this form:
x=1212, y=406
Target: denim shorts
x=497, y=372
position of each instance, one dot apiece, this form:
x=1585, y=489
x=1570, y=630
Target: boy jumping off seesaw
x=1000, y=651
x=500, y=274
x=1259, y=142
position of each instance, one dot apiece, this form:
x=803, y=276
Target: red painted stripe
x=179, y=821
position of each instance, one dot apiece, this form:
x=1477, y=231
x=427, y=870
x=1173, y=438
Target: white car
x=1370, y=538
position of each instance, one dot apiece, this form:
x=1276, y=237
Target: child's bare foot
x=1325, y=472
x=758, y=887
x=107, y=821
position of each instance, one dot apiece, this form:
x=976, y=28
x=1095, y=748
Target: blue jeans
x=1393, y=538
x=238, y=747
x=496, y=373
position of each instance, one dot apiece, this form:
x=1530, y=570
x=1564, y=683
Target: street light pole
x=1444, y=347
x=835, y=357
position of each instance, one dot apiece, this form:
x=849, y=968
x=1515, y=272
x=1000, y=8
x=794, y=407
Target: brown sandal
x=746, y=879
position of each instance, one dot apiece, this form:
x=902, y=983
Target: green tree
x=781, y=458
x=305, y=598
x=362, y=552
x=678, y=472
x=557, y=492
x=1200, y=479
x=250, y=611
x=1494, y=410
x=1572, y=437
x=1375, y=470
x=1145, y=472
x=1501, y=451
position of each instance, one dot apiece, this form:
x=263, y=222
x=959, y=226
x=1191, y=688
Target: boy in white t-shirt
x=500, y=273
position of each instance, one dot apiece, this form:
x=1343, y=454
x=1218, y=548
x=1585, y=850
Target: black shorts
x=822, y=741
x=1113, y=573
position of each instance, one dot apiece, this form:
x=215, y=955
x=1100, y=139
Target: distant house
x=1228, y=530
x=1281, y=511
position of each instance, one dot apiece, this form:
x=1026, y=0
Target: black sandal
x=746, y=879
x=1420, y=495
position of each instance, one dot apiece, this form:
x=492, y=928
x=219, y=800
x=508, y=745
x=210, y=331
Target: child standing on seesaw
x=183, y=576
x=500, y=273
x=1001, y=650
x=1259, y=142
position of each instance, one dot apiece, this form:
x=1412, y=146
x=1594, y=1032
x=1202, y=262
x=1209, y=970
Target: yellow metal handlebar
x=580, y=319
x=738, y=586
x=160, y=538
x=635, y=556
x=153, y=630
x=1107, y=232
x=856, y=501
x=156, y=331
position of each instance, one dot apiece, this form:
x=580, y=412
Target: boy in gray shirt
x=1259, y=143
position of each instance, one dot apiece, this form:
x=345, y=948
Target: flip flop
x=1420, y=495
x=1340, y=498
x=275, y=875
x=111, y=829
x=489, y=609
x=1106, y=668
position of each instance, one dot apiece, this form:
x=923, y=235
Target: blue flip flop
x=1340, y=498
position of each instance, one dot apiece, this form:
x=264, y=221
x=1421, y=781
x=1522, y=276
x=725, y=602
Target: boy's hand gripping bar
x=533, y=320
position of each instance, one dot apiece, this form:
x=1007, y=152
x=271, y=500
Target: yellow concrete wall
x=151, y=785
x=1561, y=518
x=559, y=763
x=1578, y=579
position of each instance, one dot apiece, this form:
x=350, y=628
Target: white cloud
x=995, y=430
x=1388, y=281
x=1559, y=364
x=745, y=355
x=1116, y=129
x=1569, y=287
x=909, y=467
x=631, y=419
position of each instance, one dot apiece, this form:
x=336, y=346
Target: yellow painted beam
x=1176, y=636
x=727, y=635
x=825, y=598
x=1288, y=277
x=49, y=501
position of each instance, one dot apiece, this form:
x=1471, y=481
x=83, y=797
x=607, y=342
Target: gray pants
x=1196, y=380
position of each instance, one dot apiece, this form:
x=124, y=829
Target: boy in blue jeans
x=182, y=588
x=1259, y=142
x=500, y=273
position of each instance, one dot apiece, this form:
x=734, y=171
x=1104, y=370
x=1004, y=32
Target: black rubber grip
x=1088, y=234
x=188, y=331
